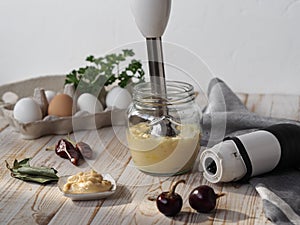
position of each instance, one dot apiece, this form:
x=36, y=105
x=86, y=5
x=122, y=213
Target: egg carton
x=54, y=125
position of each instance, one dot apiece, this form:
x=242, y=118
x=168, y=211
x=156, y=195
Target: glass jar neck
x=177, y=93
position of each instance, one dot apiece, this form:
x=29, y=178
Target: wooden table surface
x=29, y=203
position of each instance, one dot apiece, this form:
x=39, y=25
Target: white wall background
x=254, y=45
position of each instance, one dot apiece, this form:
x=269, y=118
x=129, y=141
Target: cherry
x=169, y=203
x=203, y=198
x=84, y=149
x=65, y=149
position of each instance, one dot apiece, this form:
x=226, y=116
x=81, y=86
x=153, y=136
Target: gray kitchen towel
x=280, y=193
x=225, y=115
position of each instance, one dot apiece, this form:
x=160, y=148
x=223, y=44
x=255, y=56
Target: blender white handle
x=151, y=16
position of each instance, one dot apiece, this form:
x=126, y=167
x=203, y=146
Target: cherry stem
x=68, y=138
x=220, y=195
x=174, y=185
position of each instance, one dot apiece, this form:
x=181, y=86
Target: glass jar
x=163, y=134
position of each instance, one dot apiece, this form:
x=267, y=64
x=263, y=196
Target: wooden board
x=28, y=203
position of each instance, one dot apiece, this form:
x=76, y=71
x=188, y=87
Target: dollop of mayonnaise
x=86, y=182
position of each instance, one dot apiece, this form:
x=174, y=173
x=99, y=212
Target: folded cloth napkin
x=226, y=115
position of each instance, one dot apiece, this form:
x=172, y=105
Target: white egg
x=50, y=95
x=27, y=110
x=10, y=97
x=89, y=103
x=118, y=97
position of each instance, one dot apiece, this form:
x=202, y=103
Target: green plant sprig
x=104, y=71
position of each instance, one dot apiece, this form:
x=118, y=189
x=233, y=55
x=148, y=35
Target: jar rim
x=177, y=92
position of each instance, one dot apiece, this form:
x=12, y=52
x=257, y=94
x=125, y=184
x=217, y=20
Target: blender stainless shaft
x=156, y=67
x=158, y=88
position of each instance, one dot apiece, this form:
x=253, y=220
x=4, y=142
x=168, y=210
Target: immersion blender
x=151, y=17
x=244, y=156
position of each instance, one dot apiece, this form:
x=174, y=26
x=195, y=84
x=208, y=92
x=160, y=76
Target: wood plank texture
x=29, y=203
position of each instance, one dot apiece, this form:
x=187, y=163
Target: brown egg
x=61, y=105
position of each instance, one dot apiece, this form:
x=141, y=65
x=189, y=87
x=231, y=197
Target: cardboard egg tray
x=58, y=125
